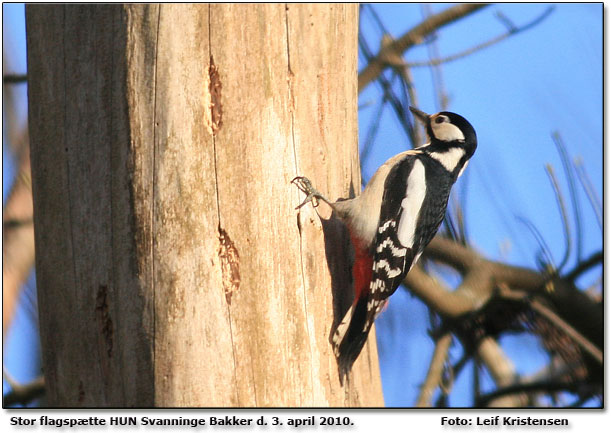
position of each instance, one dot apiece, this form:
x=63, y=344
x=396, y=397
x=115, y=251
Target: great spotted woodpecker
x=394, y=219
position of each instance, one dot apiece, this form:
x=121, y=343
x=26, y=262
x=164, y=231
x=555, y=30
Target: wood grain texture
x=172, y=267
x=91, y=299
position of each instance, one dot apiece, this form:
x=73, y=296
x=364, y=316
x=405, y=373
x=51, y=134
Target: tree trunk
x=172, y=267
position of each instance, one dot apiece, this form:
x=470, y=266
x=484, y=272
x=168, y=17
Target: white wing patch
x=411, y=204
x=449, y=159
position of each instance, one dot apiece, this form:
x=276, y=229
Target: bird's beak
x=420, y=115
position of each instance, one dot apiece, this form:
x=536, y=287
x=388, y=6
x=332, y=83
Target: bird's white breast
x=411, y=204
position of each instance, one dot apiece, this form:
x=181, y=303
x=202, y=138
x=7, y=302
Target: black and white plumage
x=393, y=220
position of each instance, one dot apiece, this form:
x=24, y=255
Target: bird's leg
x=312, y=194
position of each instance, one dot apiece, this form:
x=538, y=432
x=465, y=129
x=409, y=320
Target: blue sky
x=516, y=94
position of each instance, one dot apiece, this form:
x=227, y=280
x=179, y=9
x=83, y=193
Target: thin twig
x=408, y=83
x=479, y=47
x=460, y=219
x=585, y=265
x=566, y=164
x=511, y=27
x=563, y=214
x=372, y=131
x=14, y=78
x=584, y=179
x=462, y=204
x=451, y=227
x=540, y=240
x=477, y=387
x=377, y=19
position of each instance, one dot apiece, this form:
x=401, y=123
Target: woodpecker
x=394, y=219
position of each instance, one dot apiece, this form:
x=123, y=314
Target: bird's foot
x=312, y=195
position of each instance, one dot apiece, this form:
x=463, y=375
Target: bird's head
x=446, y=129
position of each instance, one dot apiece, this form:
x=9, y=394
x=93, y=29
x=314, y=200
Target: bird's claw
x=305, y=186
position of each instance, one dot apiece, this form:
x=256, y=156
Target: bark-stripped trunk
x=172, y=267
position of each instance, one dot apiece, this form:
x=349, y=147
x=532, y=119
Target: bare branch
x=585, y=265
x=434, y=293
x=413, y=37
x=523, y=389
x=502, y=371
x=14, y=223
x=18, y=245
x=578, y=338
x=511, y=32
x=14, y=78
x=481, y=278
x=433, y=376
x=23, y=394
x=464, y=258
x=452, y=253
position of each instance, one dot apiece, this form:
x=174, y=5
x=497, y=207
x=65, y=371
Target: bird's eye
x=439, y=119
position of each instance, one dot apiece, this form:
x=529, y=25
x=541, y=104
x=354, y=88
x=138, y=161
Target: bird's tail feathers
x=350, y=336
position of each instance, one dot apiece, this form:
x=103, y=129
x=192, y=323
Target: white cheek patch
x=447, y=132
x=449, y=159
x=411, y=204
